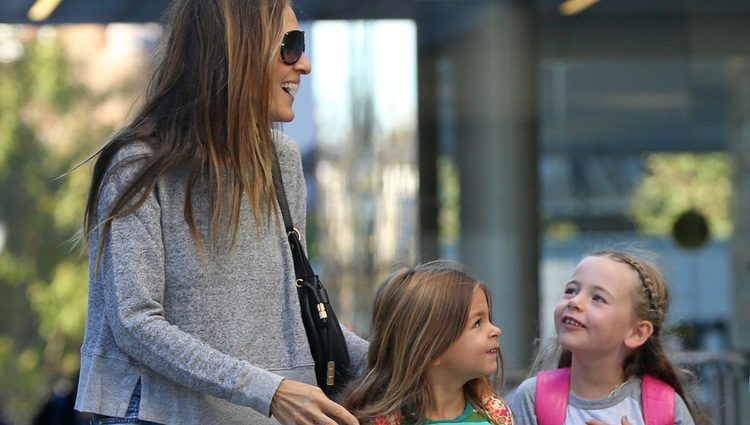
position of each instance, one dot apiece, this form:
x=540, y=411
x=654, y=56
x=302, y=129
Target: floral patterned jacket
x=499, y=411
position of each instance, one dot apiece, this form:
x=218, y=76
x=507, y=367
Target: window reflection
x=365, y=199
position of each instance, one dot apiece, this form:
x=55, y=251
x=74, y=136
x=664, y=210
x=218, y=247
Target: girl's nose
x=573, y=304
x=495, y=331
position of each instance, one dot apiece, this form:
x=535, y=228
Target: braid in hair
x=651, y=303
x=657, y=301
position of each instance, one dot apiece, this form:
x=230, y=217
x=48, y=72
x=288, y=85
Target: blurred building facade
x=541, y=136
x=514, y=137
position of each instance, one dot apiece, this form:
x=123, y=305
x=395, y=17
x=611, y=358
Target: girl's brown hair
x=651, y=300
x=418, y=313
x=207, y=108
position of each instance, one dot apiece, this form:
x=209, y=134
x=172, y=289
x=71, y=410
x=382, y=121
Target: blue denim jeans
x=131, y=416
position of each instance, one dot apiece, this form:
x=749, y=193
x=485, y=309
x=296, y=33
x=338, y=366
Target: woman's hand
x=623, y=421
x=298, y=403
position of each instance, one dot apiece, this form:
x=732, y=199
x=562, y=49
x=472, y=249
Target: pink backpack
x=553, y=387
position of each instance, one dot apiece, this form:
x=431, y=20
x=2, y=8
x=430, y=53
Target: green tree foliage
x=676, y=183
x=46, y=126
x=450, y=200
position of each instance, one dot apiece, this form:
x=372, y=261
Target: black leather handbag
x=327, y=343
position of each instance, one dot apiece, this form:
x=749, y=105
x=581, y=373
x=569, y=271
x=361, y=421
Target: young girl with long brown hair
x=613, y=367
x=434, y=352
x=193, y=311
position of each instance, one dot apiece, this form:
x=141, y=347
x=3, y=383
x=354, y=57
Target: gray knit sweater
x=210, y=340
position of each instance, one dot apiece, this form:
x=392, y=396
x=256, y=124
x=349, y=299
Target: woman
x=193, y=314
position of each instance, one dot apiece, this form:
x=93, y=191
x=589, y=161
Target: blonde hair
x=414, y=321
x=651, y=298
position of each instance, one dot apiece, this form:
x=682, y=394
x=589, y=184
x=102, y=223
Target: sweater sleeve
x=357, y=351
x=523, y=405
x=132, y=273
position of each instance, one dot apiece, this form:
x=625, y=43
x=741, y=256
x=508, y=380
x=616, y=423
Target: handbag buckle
x=330, y=372
x=322, y=313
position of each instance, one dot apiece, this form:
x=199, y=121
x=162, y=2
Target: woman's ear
x=639, y=334
x=437, y=362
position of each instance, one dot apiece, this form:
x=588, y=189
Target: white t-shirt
x=624, y=402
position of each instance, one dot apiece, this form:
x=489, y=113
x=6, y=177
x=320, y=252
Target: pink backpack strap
x=658, y=401
x=551, y=398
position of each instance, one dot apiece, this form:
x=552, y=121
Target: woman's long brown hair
x=418, y=313
x=207, y=108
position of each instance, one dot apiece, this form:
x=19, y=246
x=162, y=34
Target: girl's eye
x=569, y=291
x=599, y=298
x=478, y=323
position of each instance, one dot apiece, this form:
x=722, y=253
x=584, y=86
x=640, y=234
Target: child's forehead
x=479, y=299
x=604, y=271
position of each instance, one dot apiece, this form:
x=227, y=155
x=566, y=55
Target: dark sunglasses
x=292, y=46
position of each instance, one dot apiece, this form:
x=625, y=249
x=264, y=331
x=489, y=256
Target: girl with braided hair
x=611, y=360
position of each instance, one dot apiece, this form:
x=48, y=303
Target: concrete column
x=496, y=73
x=428, y=149
x=740, y=150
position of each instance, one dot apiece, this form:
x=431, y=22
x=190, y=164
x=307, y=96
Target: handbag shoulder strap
x=302, y=269
x=551, y=398
x=278, y=183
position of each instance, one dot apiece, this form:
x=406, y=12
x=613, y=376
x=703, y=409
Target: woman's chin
x=282, y=116
x=282, y=120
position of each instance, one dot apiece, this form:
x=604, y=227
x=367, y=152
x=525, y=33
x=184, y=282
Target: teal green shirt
x=469, y=416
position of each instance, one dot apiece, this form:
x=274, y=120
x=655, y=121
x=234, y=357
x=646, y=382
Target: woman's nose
x=303, y=65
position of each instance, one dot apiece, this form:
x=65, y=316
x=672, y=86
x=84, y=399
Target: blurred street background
x=513, y=136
